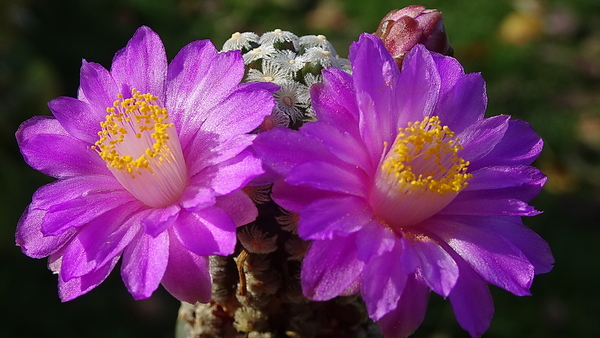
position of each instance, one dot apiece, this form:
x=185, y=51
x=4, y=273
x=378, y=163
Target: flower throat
x=420, y=174
x=141, y=148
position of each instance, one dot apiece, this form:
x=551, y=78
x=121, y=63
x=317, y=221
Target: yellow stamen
x=420, y=174
x=140, y=146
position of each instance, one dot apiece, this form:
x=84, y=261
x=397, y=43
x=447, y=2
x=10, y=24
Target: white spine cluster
x=294, y=63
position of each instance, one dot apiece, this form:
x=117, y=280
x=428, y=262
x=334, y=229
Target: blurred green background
x=541, y=60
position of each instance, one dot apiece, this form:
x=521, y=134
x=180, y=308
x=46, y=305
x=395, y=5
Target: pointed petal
x=528, y=242
x=142, y=64
x=32, y=241
x=410, y=312
x=481, y=137
x=464, y=104
x=334, y=101
x=98, y=87
x=78, y=118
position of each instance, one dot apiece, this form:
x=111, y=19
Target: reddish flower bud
x=401, y=29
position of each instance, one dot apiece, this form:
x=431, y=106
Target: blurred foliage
x=541, y=61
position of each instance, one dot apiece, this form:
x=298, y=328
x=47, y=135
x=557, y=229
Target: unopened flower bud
x=401, y=29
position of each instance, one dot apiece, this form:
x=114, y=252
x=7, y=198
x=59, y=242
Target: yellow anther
x=424, y=155
x=136, y=115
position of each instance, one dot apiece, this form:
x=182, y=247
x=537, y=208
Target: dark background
x=541, y=60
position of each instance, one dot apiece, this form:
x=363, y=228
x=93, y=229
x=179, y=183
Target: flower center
x=141, y=148
x=420, y=174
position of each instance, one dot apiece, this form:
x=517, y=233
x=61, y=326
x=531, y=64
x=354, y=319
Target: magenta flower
x=150, y=159
x=404, y=187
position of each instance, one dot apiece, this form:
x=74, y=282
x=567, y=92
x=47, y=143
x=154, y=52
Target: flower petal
x=281, y=149
x=295, y=198
x=482, y=136
x=438, y=269
x=375, y=76
x=81, y=210
x=47, y=147
x=329, y=267
x=32, y=241
x=210, y=231
x=520, y=145
x=142, y=64
x=494, y=258
x=410, y=312
x=73, y=288
x=87, y=250
x=199, y=79
x=239, y=206
x=342, y=144
x=144, y=263
x=418, y=88
x=187, y=277
x=334, y=101
x=464, y=104
x=78, y=118
x=383, y=282
x=98, y=87
x=471, y=301
x=342, y=178
x=197, y=198
x=158, y=220
x=498, y=203
x=231, y=175
x=329, y=217
x=528, y=242
x=499, y=177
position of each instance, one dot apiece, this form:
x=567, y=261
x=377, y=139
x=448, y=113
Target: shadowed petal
x=410, y=312
x=471, y=301
x=329, y=267
x=73, y=288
